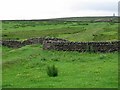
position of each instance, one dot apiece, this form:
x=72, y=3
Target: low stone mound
x=12, y=43
x=18, y=44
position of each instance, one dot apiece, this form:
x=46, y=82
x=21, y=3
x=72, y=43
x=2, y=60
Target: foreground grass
x=26, y=67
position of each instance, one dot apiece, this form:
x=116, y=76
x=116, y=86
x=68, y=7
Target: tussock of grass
x=52, y=71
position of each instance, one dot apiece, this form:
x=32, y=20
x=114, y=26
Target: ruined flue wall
x=82, y=46
x=64, y=45
x=18, y=44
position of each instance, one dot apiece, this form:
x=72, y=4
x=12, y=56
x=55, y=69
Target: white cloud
x=39, y=9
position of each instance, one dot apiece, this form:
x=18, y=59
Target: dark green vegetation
x=52, y=71
x=27, y=66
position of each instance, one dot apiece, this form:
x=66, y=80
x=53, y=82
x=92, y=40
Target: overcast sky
x=43, y=9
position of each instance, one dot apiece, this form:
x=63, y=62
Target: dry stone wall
x=82, y=46
x=12, y=43
x=64, y=45
x=18, y=44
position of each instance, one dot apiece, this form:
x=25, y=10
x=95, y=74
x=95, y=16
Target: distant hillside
x=106, y=18
x=89, y=19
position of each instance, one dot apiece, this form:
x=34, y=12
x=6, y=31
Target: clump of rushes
x=52, y=71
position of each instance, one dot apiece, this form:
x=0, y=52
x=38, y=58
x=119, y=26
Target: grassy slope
x=73, y=31
x=26, y=67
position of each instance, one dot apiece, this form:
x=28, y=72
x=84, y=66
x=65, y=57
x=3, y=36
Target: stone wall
x=12, y=43
x=82, y=46
x=64, y=45
x=18, y=44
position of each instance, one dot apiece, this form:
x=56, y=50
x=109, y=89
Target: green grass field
x=26, y=67
x=73, y=31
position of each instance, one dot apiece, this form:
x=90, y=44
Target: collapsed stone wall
x=12, y=43
x=82, y=46
x=18, y=44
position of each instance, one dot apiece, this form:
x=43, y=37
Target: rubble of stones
x=65, y=45
x=18, y=44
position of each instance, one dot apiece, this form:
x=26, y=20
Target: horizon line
x=59, y=18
